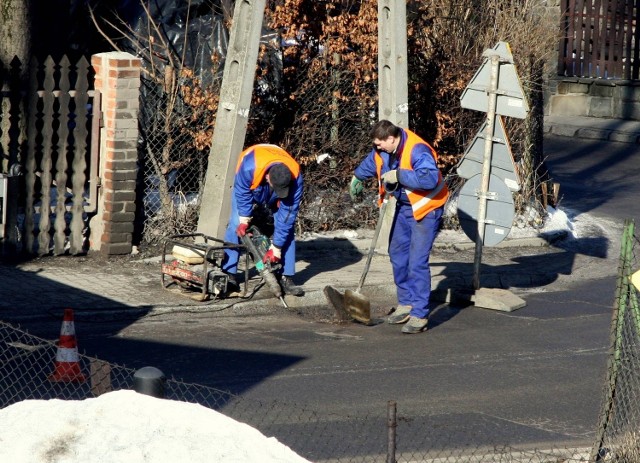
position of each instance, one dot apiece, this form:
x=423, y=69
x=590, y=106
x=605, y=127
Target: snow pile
x=124, y=426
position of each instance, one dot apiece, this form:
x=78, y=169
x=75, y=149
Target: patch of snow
x=125, y=426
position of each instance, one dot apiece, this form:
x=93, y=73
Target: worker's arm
x=425, y=173
x=367, y=168
x=242, y=189
x=285, y=217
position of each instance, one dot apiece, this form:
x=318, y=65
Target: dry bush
x=176, y=121
x=316, y=92
x=329, y=102
x=446, y=42
x=337, y=42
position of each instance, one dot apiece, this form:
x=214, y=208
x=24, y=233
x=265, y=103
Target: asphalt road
x=529, y=378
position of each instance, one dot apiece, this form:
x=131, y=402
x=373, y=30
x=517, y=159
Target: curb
x=590, y=128
x=362, y=245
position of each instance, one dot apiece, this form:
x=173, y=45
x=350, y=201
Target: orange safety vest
x=422, y=201
x=265, y=155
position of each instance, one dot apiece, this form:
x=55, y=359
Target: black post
x=149, y=381
x=391, y=431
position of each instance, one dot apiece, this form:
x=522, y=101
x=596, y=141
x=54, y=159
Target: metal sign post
x=495, y=88
x=486, y=169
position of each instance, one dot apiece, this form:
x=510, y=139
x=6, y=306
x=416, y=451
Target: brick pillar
x=118, y=79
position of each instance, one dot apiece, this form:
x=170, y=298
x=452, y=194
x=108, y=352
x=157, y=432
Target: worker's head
x=385, y=136
x=279, y=177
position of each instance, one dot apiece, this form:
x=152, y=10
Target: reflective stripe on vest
x=422, y=201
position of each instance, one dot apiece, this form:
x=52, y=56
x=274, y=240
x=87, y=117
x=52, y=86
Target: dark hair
x=384, y=129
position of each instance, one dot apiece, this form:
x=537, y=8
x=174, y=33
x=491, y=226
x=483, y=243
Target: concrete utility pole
x=393, y=100
x=232, y=117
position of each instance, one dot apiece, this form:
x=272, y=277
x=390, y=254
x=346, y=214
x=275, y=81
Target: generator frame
x=206, y=247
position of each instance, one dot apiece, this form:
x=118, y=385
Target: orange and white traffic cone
x=67, y=368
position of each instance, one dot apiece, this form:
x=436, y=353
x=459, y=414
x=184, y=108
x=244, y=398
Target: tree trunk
x=15, y=31
x=15, y=51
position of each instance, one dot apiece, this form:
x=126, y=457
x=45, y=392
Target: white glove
x=245, y=220
x=390, y=177
x=276, y=251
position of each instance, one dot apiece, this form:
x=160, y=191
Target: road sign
x=510, y=97
x=502, y=164
x=500, y=209
x=502, y=49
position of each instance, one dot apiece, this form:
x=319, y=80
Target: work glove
x=241, y=229
x=355, y=188
x=390, y=176
x=390, y=180
x=273, y=255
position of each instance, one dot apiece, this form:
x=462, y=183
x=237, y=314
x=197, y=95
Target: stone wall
x=610, y=99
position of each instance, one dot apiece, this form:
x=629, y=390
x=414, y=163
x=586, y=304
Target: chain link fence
x=393, y=435
x=618, y=432
x=325, y=128
x=329, y=136
x=172, y=161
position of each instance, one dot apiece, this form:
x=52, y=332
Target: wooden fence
x=599, y=39
x=52, y=133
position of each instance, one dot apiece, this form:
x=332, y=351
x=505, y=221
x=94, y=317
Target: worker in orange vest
x=406, y=167
x=268, y=179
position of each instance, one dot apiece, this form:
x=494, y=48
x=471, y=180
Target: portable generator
x=193, y=263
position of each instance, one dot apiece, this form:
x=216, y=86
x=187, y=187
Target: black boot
x=289, y=287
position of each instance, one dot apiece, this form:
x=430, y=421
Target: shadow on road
x=335, y=254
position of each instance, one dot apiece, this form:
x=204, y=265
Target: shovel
x=353, y=304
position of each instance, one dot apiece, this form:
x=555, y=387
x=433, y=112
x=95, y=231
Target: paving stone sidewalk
x=131, y=285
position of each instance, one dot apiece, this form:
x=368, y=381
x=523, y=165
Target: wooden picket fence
x=599, y=39
x=57, y=155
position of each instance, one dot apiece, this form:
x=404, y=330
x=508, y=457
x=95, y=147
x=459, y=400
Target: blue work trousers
x=410, y=244
x=230, y=261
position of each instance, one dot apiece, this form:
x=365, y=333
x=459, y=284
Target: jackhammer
x=257, y=246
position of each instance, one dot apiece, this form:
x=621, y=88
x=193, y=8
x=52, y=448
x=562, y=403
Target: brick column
x=118, y=79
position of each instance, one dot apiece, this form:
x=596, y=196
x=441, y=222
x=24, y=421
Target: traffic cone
x=67, y=368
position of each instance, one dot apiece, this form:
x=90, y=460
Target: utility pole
x=232, y=117
x=393, y=100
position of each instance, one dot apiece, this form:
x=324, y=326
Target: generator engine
x=195, y=265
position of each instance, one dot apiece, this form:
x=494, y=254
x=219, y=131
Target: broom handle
x=374, y=240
